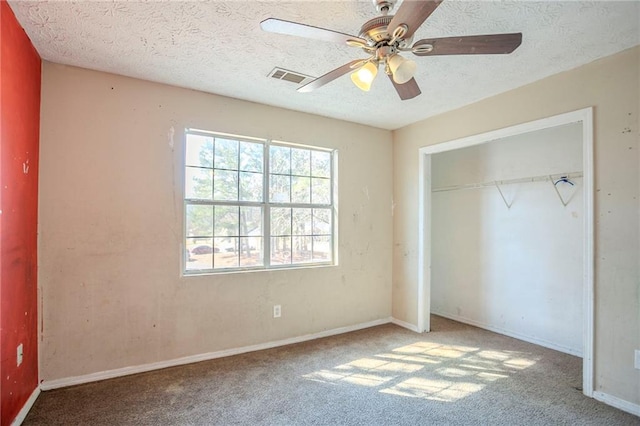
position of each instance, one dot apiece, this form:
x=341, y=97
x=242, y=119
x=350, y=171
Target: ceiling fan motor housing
x=375, y=31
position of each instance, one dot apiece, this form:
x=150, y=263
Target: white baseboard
x=125, y=371
x=26, y=407
x=406, y=325
x=534, y=340
x=618, y=403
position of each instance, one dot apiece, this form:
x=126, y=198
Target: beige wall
x=111, y=228
x=611, y=85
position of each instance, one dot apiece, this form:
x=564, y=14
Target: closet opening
x=506, y=233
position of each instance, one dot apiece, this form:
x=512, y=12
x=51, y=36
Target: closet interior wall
x=507, y=252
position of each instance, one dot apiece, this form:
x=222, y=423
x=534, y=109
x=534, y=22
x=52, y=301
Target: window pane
x=280, y=221
x=199, y=221
x=322, y=221
x=225, y=186
x=301, y=250
x=280, y=250
x=322, y=249
x=300, y=162
x=251, y=186
x=301, y=222
x=225, y=204
x=251, y=156
x=199, y=151
x=300, y=189
x=227, y=254
x=226, y=221
x=280, y=189
x=224, y=248
x=280, y=160
x=226, y=154
x=198, y=183
x=320, y=191
x=251, y=251
x=250, y=221
x=320, y=164
x=199, y=254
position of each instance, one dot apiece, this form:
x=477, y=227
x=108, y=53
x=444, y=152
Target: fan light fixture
x=364, y=76
x=402, y=69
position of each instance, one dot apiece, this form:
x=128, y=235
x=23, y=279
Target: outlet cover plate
x=636, y=362
x=277, y=311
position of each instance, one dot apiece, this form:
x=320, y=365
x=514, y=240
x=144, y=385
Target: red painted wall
x=19, y=136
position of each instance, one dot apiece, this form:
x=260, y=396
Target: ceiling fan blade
x=280, y=26
x=412, y=13
x=408, y=90
x=330, y=76
x=470, y=45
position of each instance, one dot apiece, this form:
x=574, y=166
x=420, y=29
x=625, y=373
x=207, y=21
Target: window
x=256, y=204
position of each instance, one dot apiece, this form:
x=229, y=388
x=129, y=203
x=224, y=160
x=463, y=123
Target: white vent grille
x=291, y=76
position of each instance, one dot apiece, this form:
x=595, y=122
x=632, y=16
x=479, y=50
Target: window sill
x=259, y=269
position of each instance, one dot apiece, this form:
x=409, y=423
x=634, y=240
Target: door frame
x=583, y=116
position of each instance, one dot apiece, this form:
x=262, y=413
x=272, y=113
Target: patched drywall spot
x=170, y=134
x=366, y=192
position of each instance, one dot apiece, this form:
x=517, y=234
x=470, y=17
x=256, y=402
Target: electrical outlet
x=19, y=354
x=636, y=362
x=277, y=311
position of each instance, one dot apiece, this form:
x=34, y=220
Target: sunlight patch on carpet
x=436, y=390
x=427, y=370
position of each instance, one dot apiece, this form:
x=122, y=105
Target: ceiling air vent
x=291, y=76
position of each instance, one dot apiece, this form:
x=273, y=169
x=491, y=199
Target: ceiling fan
x=383, y=38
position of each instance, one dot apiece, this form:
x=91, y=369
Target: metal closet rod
x=543, y=178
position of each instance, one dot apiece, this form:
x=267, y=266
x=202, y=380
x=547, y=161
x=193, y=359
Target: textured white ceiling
x=218, y=47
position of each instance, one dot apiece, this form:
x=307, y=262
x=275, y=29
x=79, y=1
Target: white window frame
x=266, y=206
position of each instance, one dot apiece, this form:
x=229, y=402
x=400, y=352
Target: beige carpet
x=384, y=375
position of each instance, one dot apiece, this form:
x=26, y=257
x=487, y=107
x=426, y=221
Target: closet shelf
x=493, y=183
